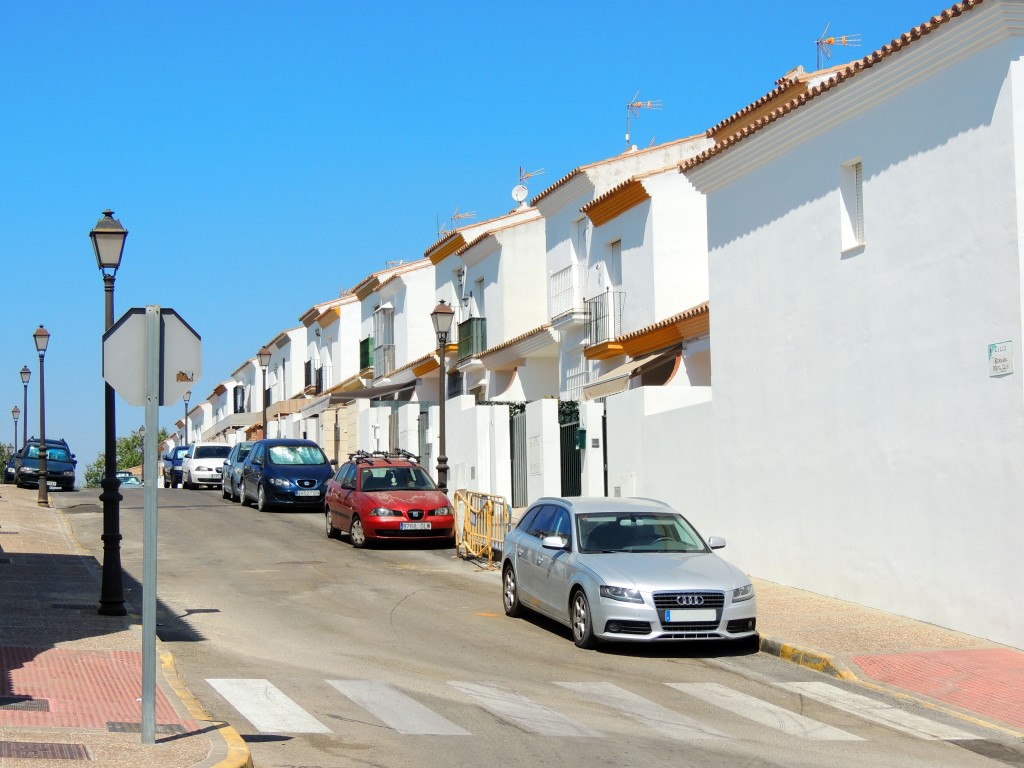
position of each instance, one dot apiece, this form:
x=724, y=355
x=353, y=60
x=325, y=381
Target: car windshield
x=296, y=454
x=212, y=451
x=396, y=479
x=243, y=451
x=636, y=532
x=52, y=454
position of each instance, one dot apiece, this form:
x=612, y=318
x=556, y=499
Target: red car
x=386, y=496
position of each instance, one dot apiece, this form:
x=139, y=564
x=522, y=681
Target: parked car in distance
x=202, y=464
x=60, y=464
x=128, y=479
x=386, y=495
x=282, y=471
x=9, y=469
x=231, y=472
x=172, y=466
x=626, y=570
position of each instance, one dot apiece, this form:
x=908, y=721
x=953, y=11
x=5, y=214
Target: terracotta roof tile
x=841, y=74
x=516, y=340
x=686, y=314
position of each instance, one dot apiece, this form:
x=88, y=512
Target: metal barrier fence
x=482, y=520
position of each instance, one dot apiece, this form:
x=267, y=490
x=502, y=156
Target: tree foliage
x=129, y=454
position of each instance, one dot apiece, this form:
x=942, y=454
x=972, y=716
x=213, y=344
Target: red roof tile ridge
x=840, y=75
x=686, y=314
x=521, y=337
x=628, y=153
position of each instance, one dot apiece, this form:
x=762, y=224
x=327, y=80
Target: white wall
x=865, y=451
x=543, y=450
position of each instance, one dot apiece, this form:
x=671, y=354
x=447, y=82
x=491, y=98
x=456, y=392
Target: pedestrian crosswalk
x=694, y=710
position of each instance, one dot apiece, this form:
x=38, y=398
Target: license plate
x=307, y=493
x=691, y=614
x=415, y=526
x=51, y=483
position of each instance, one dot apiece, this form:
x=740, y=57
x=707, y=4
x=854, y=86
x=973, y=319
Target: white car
x=203, y=464
x=625, y=570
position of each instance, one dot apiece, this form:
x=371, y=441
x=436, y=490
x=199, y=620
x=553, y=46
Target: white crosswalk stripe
x=763, y=712
x=651, y=714
x=877, y=711
x=266, y=707
x=269, y=710
x=395, y=709
x=522, y=712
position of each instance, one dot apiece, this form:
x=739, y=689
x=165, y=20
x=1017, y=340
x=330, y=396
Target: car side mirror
x=334, y=462
x=554, y=542
x=716, y=542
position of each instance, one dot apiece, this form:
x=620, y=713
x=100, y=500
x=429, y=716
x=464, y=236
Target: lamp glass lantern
x=108, y=238
x=26, y=374
x=42, y=338
x=442, y=317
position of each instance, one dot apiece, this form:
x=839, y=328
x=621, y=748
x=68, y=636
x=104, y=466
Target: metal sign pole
x=153, y=365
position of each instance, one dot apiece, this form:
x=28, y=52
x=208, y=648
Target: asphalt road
x=402, y=656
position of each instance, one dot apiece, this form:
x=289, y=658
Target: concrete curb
x=234, y=753
x=806, y=657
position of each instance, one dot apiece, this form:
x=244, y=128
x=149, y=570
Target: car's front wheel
x=236, y=495
x=582, y=621
x=225, y=492
x=262, y=504
x=510, y=592
x=356, y=534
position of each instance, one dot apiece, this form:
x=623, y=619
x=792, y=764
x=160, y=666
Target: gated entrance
x=517, y=434
x=571, y=456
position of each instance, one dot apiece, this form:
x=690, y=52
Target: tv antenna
x=456, y=217
x=519, y=191
x=633, y=110
x=826, y=41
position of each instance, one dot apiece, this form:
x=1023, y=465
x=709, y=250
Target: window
x=851, y=202
x=613, y=264
x=384, y=340
x=580, y=240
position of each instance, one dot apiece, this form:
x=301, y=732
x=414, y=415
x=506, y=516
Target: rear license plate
x=415, y=526
x=51, y=483
x=691, y=614
x=307, y=493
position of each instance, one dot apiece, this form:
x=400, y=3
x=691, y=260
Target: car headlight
x=280, y=482
x=69, y=473
x=441, y=512
x=624, y=594
x=384, y=512
x=204, y=469
x=743, y=593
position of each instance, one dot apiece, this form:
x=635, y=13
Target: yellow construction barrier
x=483, y=520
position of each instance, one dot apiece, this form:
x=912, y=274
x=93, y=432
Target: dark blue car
x=172, y=466
x=286, y=472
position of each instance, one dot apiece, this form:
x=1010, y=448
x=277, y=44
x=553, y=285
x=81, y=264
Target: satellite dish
x=520, y=193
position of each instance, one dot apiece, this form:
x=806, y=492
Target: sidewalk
x=70, y=680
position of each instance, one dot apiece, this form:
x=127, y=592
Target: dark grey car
x=231, y=473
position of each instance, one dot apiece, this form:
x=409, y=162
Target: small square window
x=851, y=204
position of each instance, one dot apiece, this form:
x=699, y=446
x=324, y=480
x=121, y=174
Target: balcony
x=383, y=360
x=472, y=337
x=604, y=316
x=566, y=295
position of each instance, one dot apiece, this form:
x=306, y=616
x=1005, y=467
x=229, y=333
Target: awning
x=234, y=421
x=366, y=393
x=617, y=379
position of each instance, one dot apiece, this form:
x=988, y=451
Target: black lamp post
x=15, y=412
x=108, y=238
x=264, y=358
x=42, y=338
x=442, y=317
x=26, y=374
x=184, y=428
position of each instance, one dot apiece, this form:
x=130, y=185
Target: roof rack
x=368, y=456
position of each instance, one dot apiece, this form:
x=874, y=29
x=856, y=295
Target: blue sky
x=265, y=156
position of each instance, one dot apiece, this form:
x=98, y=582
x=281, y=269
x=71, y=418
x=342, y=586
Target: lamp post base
x=112, y=589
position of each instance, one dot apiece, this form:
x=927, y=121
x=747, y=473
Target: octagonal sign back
x=124, y=356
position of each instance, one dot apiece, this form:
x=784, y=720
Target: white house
x=865, y=256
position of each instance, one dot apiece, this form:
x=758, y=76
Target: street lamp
x=108, y=238
x=15, y=412
x=264, y=358
x=442, y=317
x=26, y=374
x=42, y=338
x=184, y=429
